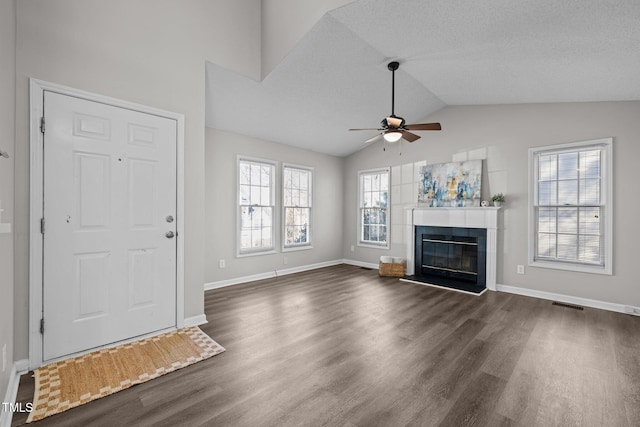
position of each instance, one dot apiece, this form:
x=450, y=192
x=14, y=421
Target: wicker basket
x=392, y=269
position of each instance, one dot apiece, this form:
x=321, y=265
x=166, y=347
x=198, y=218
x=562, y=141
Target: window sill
x=297, y=248
x=373, y=246
x=257, y=253
x=572, y=267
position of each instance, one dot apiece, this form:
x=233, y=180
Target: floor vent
x=366, y=268
x=562, y=304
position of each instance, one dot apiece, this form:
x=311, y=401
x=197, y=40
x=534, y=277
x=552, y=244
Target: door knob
x=169, y=235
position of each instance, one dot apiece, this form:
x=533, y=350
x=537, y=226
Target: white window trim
x=365, y=244
x=301, y=246
x=274, y=200
x=607, y=201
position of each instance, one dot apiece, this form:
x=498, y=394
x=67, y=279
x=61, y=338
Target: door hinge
x=42, y=326
x=42, y=124
x=42, y=225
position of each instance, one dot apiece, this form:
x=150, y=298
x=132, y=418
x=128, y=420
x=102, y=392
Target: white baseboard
x=270, y=274
x=361, y=264
x=603, y=305
x=198, y=320
x=22, y=366
x=19, y=367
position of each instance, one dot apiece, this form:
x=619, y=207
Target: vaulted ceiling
x=450, y=53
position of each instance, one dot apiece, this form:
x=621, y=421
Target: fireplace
x=451, y=256
x=452, y=247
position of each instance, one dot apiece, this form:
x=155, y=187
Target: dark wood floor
x=341, y=346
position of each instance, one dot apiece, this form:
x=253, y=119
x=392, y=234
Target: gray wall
x=152, y=52
x=502, y=135
x=222, y=149
x=7, y=137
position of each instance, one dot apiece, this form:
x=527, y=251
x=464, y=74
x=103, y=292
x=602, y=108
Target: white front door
x=109, y=260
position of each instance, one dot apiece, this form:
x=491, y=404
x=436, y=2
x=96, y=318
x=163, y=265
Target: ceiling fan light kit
x=392, y=136
x=394, y=128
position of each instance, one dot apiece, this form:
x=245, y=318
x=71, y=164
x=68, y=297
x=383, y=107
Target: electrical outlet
x=4, y=358
x=353, y=248
x=285, y=260
x=520, y=269
x=222, y=263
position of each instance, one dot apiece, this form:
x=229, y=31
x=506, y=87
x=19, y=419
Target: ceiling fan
x=393, y=128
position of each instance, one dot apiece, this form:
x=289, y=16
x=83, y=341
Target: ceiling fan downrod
x=393, y=66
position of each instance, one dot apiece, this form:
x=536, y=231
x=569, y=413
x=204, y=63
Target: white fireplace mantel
x=486, y=218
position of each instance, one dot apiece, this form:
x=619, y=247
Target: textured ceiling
x=451, y=53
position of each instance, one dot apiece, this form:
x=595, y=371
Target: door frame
x=36, y=196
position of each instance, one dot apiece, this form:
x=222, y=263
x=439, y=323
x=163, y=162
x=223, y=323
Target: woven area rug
x=69, y=383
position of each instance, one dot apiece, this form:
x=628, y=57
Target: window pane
x=546, y=245
x=375, y=182
x=547, y=167
x=590, y=249
x=245, y=195
x=547, y=220
x=245, y=239
x=365, y=232
x=304, y=180
x=245, y=217
x=568, y=192
x=590, y=221
x=384, y=181
x=304, y=216
x=366, y=216
x=367, y=202
x=255, y=196
x=568, y=220
x=383, y=233
x=567, y=246
x=265, y=196
x=304, y=198
x=367, y=183
x=590, y=191
x=245, y=173
x=266, y=238
x=373, y=230
x=255, y=174
x=265, y=176
x=375, y=199
x=287, y=197
x=384, y=197
x=547, y=193
x=568, y=166
x=590, y=164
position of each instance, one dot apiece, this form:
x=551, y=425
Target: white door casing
x=109, y=272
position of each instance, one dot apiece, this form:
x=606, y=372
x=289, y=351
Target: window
x=374, y=202
x=256, y=206
x=296, y=193
x=571, y=209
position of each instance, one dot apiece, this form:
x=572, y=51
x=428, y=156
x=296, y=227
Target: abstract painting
x=450, y=184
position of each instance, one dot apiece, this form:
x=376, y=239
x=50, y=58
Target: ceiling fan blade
x=394, y=122
x=409, y=136
x=424, y=126
x=373, y=138
x=367, y=129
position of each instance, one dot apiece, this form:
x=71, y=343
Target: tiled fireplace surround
x=486, y=218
